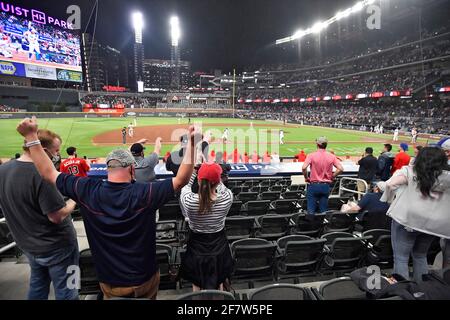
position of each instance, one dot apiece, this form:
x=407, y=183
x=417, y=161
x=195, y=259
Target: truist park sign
x=41, y=17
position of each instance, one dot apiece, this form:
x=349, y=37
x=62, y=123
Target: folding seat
x=340, y=289
x=88, y=274
x=272, y=227
x=337, y=221
x=235, y=209
x=259, y=189
x=167, y=231
x=165, y=257
x=297, y=187
x=299, y=255
x=238, y=228
x=284, y=206
x=277, y=188
x=256, y=208
x=266, y=183
x=336, y=203
x=295, y=195
x=282, y=291
x=206, y=295
x=247, y=196
x=308, y=224
x=345, y=252
x=380, y=248
x=253, y=259
x=371, y=220
x=269, y=195
x=170, y=212
x=241, y=189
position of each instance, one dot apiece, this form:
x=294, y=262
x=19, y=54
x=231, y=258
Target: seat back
x=166, y=231
x=295, y=195
x=259, y=189
x=170, y=211
x=253, y=257
x=269, y=195
x=338, y=221
x=163, y=258
x=381, y=243
x=257, y=208
x=330, y=237
x=341, y=289
x=247, y=196
x=301, y=250
x=239, y=227
x=310, y=225
x=235, y=209
x=273, y=226
x=372, y=220
x=277, y=188
x=285, y=206
x=88, y=274
x=336, y=203
x=207, y=295
x=282, y=291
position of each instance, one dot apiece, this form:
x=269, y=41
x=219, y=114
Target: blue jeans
x=317, y=195
x=406, y=244
x=52, y=267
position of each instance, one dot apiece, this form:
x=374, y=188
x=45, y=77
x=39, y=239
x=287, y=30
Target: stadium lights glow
x=318, y=27
x=175, y=30
x=138, y=24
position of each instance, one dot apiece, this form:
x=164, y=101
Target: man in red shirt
x=236, y=156
x=401, y=159
x=74, y=165
x=319, y=182
x=246, y=158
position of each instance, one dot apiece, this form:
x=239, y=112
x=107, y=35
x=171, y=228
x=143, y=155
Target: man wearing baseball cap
x=119, y=215
x=401, y=159
x=145, y=166
x=321, y=164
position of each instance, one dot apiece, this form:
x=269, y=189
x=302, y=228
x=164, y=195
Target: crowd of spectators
x=136, y=101
x=4, y=108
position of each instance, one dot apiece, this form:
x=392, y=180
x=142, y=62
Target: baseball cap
x=404, y=146
x=322, y=140
x=210, y=172
x=125, y=158
x=137, y=148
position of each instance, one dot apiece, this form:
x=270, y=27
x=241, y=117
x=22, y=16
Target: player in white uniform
x=225, y=135
x=381, y=129
x=131, y=130
x=396, y=132
x=414, y=135
x=5, y=45
x=32, y=37
x=281, y=136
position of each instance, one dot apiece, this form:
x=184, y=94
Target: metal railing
x=343, y=189
x=8, y=246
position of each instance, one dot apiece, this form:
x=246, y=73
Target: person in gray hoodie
x=385, y=162
x=420, y=196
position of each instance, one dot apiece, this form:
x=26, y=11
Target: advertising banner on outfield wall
x=12, y=69
x=70, y=76
x=117, y=112
x=40, y=72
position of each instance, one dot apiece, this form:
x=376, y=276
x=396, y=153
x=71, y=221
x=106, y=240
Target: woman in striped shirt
x=207, y=262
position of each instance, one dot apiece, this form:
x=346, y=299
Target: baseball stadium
x=260, y=151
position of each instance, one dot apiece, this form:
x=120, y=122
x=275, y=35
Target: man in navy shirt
x=119, y=215
x=370, y=202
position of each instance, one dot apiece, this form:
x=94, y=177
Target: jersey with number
x=76, y=167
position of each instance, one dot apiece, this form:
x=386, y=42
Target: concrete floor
x=14, y=276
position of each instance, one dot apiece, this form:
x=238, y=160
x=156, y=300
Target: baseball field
x=94, y=138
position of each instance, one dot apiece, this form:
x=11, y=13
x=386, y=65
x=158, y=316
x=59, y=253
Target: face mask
x=54, y=158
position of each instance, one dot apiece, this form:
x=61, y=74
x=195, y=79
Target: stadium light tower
x=175, y=32
x=138, y=25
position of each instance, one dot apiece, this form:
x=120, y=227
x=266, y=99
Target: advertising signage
x=70, y=76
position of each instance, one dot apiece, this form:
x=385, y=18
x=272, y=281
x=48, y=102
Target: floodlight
x=298, y=34
x=358, y=6
x=138, y=21
x=175, y=30
x=317, y=27
x=343, y=14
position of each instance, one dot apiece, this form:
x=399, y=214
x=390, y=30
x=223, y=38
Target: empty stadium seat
x=308, y=225
x=259, y=189
x=277, y=188
x=235, y=209
x=167, y=231
x=253, y=259
x=371, y=220
x=281, y=291
x=337, y=221
x=299, y=254
x=380, y=248
x=247, y=196
x=273, y=227
x=284, y=206
x=294, y=195
x=296, y=187
x=207, y=295
x=88, y=274
x=269, y=195
x=165, y=259
x=256, y=208
x=341, y=289
x=238, y=228
x=336, y=203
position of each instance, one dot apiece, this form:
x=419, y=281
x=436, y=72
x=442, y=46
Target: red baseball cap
x=210, y=172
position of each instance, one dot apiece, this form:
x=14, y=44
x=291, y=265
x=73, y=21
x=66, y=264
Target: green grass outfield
x=80, y=131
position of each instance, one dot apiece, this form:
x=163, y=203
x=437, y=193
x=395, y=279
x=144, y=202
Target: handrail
x=7, y=247
x=359, y=193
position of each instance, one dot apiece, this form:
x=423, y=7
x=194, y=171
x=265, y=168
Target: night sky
x=216, y=34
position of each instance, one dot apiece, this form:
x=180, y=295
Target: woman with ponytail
x=420, y=196
x=207, y=262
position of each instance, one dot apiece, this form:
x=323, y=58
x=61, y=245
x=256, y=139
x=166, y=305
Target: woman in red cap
x=207, y=262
